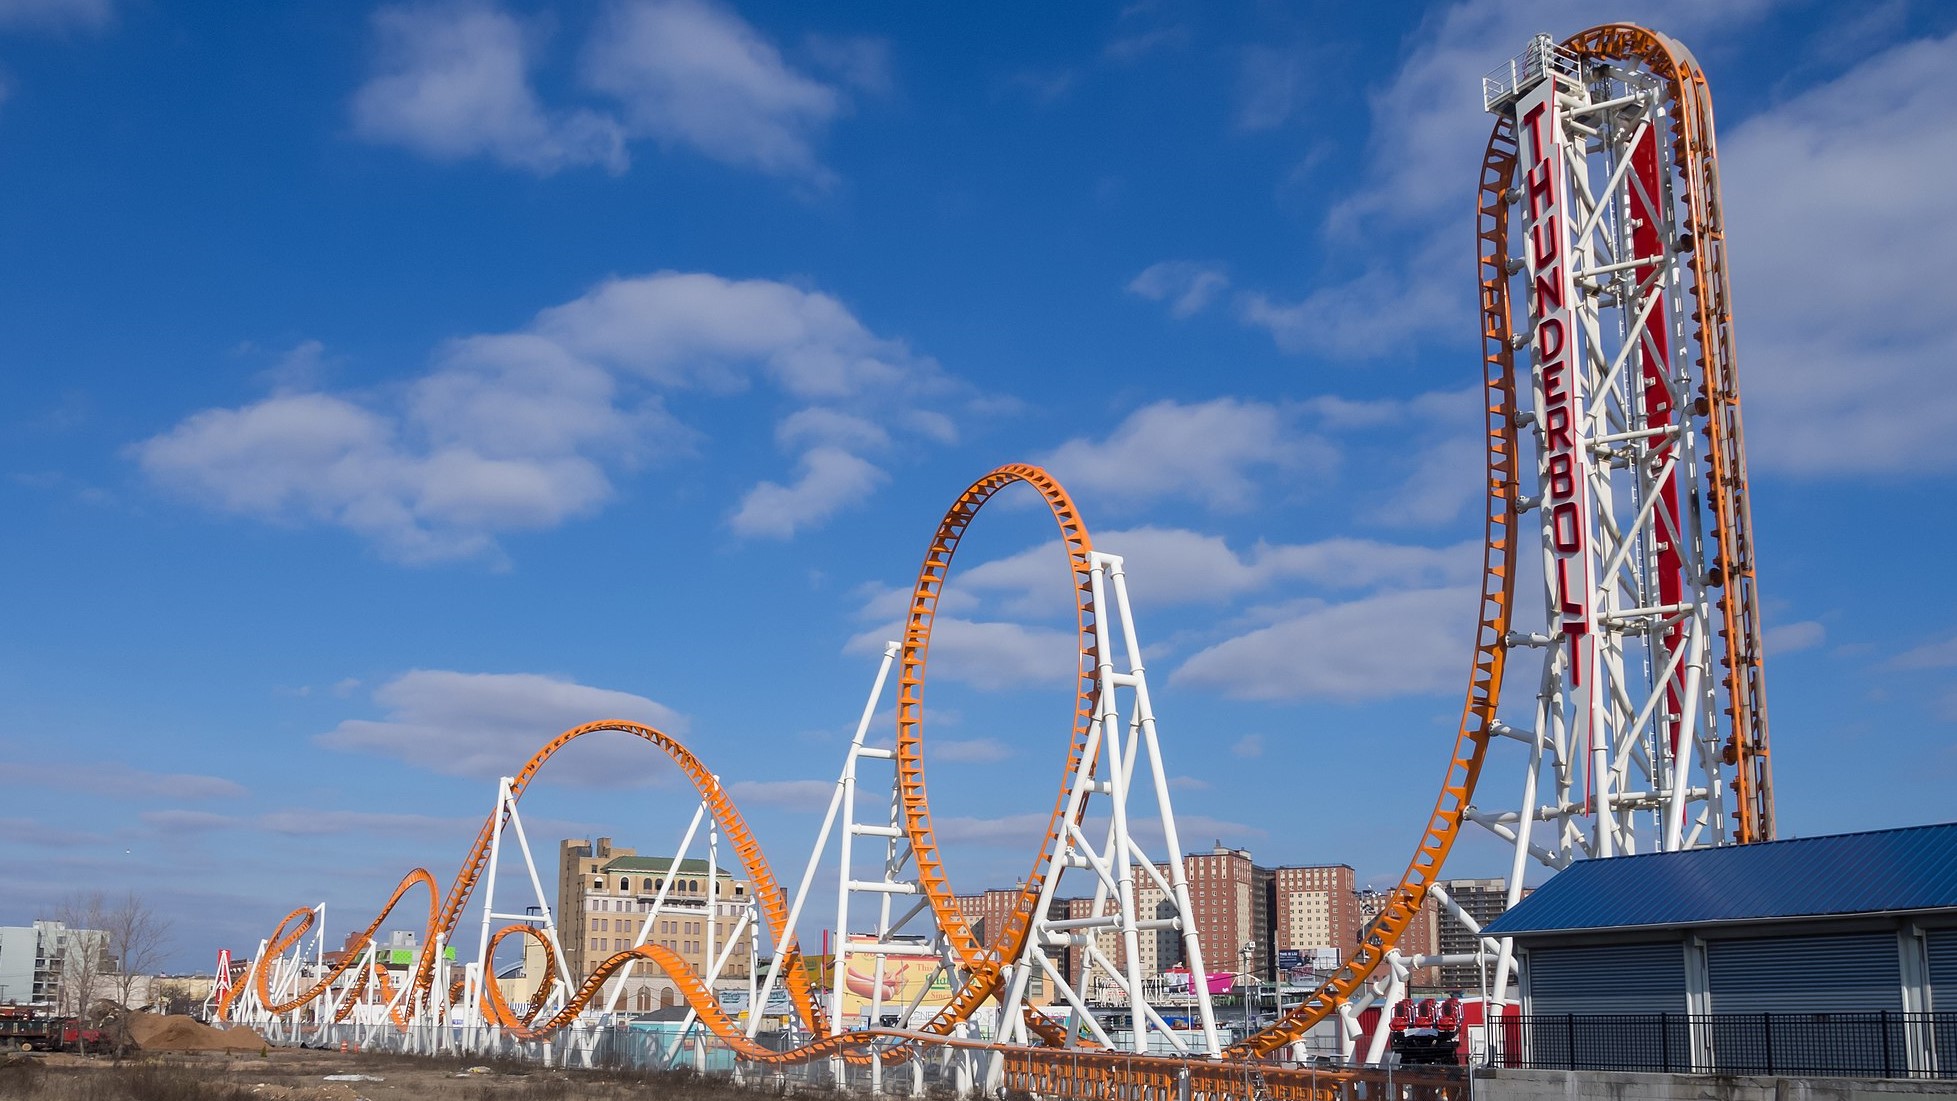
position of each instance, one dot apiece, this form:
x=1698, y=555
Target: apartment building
x=1315, y=911
x=606, y=895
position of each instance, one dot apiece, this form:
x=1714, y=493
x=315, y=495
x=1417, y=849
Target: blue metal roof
x=1853, y=873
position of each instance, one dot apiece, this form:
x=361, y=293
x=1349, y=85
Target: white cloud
x=323, y=458
x=832, y=479
x=1792, y=638
x=1845, y=330
x=1378, y=312
x=301, y=367
x=56, y=15
x=179, y=821
x=1127, y=49
x=1177, y=565
x=1191, y=285
x=887, y=605
x=816, y=426
x=1191, y=829
x=486, y=725
x=974, y=751
x=1378, y=647
x=859, y=61
x=1202, y=452
x=791, y=794
x=1448, y=473
x=1043, y=88
x=523, y=430
x=1930, y=655
x=307, y=823
x=39, y=834
x=1248, y=746
x=1011, y=831
x=1414, y=201
x=119, y=780
x=696, y=74
x=700, y=330
x=321, y=823
x=453, y=81
x=988, y=654
x=1267, y=87
x=1430, y=443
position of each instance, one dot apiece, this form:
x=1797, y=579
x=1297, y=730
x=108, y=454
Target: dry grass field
x=286, y=1074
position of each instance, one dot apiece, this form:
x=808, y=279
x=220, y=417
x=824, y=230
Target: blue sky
x=387, y=388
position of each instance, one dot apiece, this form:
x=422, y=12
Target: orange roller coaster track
x=984, y=966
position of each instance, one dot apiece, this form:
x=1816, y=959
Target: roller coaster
x=1601, y=250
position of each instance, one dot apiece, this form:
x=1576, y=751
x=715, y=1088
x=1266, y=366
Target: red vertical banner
x=1646, y=192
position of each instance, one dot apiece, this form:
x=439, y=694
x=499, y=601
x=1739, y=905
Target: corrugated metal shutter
x=1611, y=978
x=1772, y=998
x=1598, y=1006
x=1940, y=945
x=1942, y=949
x=1811, y=974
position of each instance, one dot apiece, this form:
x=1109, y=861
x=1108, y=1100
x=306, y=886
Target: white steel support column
x=478, y=976
x=892, y=946
x=905, y=937
x=1117, y=745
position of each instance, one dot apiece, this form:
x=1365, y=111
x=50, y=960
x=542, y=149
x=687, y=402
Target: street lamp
x=1249, y=950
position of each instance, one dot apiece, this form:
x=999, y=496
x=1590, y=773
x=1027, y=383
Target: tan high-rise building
x=1314, y=909
x=1227, y=895
x=580, y=864
x=605, y=895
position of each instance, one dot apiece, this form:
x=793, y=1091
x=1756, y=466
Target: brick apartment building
x=1315, y=910
x=1422, y=936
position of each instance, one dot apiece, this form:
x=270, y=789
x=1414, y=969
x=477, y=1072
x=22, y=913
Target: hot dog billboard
x=904, y=979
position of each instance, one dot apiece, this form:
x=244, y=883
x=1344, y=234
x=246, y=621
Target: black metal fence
x=1848, y=1045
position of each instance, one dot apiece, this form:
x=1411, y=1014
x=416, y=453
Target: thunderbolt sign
x=1558, y=403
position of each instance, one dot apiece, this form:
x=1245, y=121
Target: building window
x=597, y=884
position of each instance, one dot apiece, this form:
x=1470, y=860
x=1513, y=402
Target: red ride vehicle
x=1428, y=1031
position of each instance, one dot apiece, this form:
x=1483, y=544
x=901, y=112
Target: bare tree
x=137, y=938
x=108, y=949
x=176, y=995
x=82, y=951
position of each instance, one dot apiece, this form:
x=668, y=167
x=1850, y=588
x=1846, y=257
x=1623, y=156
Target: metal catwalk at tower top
x=1647, y=730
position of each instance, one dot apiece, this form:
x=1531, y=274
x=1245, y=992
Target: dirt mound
x=159, y=1032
